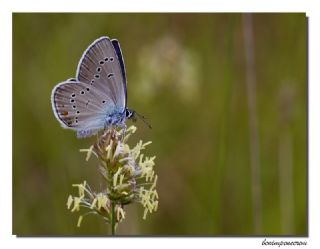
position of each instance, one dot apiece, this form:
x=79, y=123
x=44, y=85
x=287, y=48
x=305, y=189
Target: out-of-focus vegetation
x=187, y=74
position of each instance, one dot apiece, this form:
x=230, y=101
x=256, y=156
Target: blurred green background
x=188, y=74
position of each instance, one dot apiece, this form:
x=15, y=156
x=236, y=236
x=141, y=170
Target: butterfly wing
x=81, y=107
x=116, y=46
x=101, y=68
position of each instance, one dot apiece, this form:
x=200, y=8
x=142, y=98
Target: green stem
x=113, y=218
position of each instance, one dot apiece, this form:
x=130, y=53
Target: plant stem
x=113, y=218
x=253, y=121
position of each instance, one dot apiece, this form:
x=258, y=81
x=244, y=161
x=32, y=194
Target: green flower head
x=128, y=175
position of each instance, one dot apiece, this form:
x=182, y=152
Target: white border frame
x=8, y=6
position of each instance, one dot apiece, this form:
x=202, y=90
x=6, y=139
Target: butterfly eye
x=106, y=59
x=97, y=76
x=73, y=95
x=74, y=107
x=72, y=100
x=88, y=89
x=101, y=62
x=92, y=81
x=110, y=75
x=111, y=58
x=82, y=92
x=98, y=69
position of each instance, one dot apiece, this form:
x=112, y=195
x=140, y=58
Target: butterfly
x=97, y=98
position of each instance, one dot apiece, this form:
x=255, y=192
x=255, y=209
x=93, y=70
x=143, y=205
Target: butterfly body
x=97, y=98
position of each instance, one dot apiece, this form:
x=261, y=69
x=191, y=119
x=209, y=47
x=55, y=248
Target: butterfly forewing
x=100, y=68
x=80, y=106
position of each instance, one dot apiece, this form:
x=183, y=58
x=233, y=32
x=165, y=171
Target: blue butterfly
x=97, y=97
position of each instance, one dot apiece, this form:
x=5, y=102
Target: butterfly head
x=131, y=114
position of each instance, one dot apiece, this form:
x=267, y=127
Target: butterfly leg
x=108, y=123
x=86, y=133
x=123, y=128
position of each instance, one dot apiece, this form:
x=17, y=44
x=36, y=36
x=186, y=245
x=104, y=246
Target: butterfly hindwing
x=79, y=106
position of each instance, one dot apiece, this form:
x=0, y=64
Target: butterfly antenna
x=144, y=120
